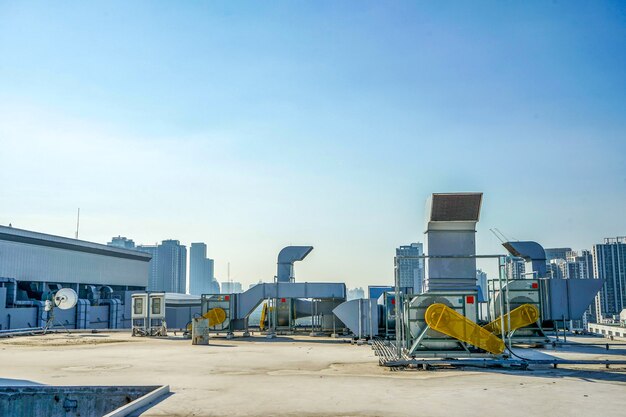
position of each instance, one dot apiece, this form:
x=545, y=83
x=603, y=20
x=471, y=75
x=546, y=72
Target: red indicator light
x=227, y=298
x=535, y=285
x=470, y=299
x=282, y=300
x=393, y=301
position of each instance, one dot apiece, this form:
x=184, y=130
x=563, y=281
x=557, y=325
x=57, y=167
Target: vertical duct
x=286, y=257
x=451, y=241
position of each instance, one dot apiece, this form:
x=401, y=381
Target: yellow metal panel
x=520, y=317
x=447, y=321
x=216, y=316
x=263, y=317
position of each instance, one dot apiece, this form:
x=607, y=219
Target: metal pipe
x=360, y=318
x=399, y=313
x=369, y=313
x=501, y=301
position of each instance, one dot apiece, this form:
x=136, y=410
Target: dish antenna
x=64, y=299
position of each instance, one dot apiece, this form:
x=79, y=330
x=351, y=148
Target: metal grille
x=455, y=207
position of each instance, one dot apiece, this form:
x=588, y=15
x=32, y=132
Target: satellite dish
x=65, y=298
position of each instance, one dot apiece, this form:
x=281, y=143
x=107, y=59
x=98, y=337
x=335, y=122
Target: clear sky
x=255, y=125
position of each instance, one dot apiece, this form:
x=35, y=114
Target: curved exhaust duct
x=286, y=257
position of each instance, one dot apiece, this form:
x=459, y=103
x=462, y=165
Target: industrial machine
x=447, y=319
x=219, y=308
x=512, y=295
x=422, y=339
x=361, y=316
x=284, y=301
x=387, y=313
x=148, y=314
x=449, y=284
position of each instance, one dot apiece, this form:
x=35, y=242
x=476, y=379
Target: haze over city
x=251, y=126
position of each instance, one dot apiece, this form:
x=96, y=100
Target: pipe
x=360, y=319
x=286, y=257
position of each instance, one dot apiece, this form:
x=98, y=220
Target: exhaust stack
x=451, y=241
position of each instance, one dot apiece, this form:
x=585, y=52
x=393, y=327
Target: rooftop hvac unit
x=222, y=307
x=424, y=341
x=516, y=293
x=451, y=242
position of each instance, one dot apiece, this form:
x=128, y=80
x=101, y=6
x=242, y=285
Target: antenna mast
x=77, y=222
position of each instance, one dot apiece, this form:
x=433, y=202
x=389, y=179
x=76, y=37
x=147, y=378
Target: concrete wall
x=66, y=401
x=608, y=331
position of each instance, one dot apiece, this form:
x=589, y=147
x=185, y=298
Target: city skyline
x=253, y=128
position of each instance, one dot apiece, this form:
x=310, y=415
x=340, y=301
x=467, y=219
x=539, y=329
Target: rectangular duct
x=450, y=241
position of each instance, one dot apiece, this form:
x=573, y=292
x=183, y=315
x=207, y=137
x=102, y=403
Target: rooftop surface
x=303, y=376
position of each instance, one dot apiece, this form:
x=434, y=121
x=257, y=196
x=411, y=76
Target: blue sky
x=254, y=125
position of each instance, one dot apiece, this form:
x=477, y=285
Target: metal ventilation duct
x=286, y=257
x=450, y=241
x=533, y=253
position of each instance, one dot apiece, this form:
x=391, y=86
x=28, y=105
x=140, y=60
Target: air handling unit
x=558, y=300
x=451, y=241
x=284, y=301
x=442, y=321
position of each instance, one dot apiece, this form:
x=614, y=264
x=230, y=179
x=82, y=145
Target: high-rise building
x=481, y=280
x=410, y=268
x=231, y=287
x=514, y=268
x=609, y=264
x=558, y=268
x=201, y=271
x=122, y=242
x=556, y=253
x=355, y=293
x=580, y=265
x=153, y=281
x=173, y=266
x=168, y=267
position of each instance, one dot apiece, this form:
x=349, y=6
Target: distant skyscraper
x=481, y=280
x=609, y=264
x=121, y=242
x=153, y=280
x=231, y=287
x=580, y=265
x=168, y=269
x=558, y=268
x=556, y=253
x=355, y=293
x=173, y=266
x=410, y=270
x=201, y=270
x=514, y=268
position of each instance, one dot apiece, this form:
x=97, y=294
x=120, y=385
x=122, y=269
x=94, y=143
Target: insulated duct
x=450, y=241
x=286, y=257
x=533, y=253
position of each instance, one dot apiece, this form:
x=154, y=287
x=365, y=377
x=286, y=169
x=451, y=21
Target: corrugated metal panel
x=26, y=262
x=42, y=239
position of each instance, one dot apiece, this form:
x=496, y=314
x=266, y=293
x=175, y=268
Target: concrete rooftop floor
x=302, y=376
